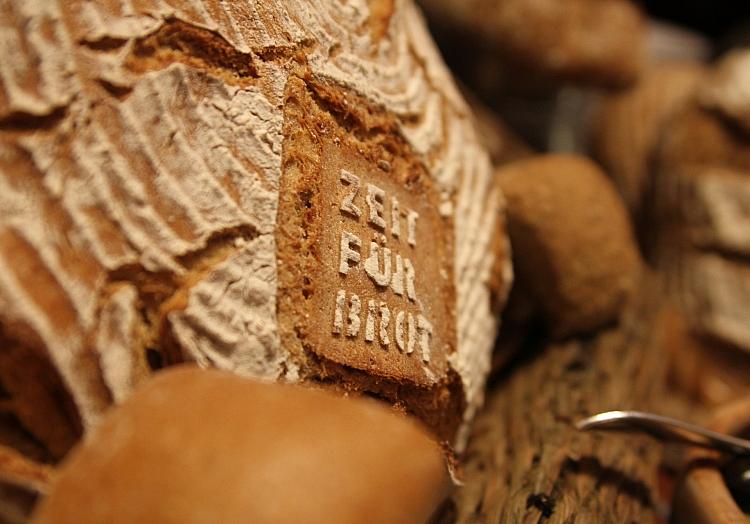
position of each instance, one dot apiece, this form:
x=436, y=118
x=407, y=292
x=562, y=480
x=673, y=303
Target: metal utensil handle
x=666, y=428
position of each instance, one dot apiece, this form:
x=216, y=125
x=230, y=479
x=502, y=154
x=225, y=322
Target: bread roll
x=573, y=245
x=589, y=41
x=200, y=446
x=291, y=191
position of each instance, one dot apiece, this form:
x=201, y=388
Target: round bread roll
x=291, y=191
x=200, y=446
x=572, y=242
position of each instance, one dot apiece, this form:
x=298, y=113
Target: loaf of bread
x=599, y=42
x=290, y=191
x=727, y=89
x=204, y=446
x=573, y=246
x=22, y=481
x=702, y=204
x=704, y=369
x=628, y=126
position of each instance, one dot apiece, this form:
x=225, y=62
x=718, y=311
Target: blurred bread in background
x=573, y=246
x=591, y=41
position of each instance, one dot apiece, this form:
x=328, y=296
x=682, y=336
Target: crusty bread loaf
x=702, y=204
x=573, y=245
x=21, y=482
x=204, y=446
x=293, y=191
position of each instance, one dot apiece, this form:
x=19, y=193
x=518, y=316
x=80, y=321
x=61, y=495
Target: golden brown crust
x=21, y=482
x=708, y=371
x=239, y=451
x=17, y=470
x=38, y=400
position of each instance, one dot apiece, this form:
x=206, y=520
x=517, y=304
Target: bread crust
x=144, y=156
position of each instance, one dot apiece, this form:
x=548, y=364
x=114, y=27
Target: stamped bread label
x=378, y=276
x=384, y=306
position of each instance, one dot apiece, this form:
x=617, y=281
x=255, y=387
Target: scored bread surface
x=157, y=160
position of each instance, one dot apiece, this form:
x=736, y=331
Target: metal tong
x=666, y=429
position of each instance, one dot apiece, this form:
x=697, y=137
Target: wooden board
x=527, y=463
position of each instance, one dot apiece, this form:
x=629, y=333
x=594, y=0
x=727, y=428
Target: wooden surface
x=702, y=496
x=527, y=463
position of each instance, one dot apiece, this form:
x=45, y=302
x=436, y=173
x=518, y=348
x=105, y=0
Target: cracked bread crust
x=141, y=163
x=366, y=293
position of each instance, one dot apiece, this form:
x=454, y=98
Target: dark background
x=723, y=21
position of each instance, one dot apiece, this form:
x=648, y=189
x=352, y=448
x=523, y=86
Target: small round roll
x=572, y=241
x=199, y=446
